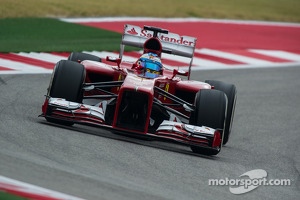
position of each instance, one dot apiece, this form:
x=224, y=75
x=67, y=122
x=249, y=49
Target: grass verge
x=44, y=34
x=7, y=196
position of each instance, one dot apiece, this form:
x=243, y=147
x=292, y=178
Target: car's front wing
x=57, y=108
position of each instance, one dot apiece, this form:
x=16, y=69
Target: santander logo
x=132, y=31
x=170, y=38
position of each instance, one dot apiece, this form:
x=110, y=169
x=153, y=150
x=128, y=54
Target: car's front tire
x=230, y=91
x=66, y=82
x=210, y=111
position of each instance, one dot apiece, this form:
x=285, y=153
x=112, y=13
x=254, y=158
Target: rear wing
x=172, y=43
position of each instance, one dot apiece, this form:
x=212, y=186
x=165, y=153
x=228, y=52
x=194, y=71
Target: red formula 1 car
x=143, y=97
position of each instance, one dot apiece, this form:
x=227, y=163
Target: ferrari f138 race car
x=143, y=97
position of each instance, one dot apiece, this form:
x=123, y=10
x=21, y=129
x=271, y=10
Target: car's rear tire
x=66, y=82
x=230, y=91
x=210, y=111
x=78, y=57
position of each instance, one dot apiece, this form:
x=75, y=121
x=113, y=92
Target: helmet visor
x=150, y=64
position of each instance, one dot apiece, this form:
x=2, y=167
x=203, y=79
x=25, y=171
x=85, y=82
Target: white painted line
x=23, y=68
x=189, y=19
x=55, y=58
x=278, y=54
x=18, y=186
x=47, y=57
x=231, y=56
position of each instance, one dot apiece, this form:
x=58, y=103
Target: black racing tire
x=210, y=110
x=78, y=57
x=66, y=82
x=231, y=93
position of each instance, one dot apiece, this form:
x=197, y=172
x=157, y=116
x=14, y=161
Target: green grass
x=7, y=196
x=44, y=34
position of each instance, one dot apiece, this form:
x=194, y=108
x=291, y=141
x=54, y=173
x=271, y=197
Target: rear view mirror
x=179, y=72
x=114, y=59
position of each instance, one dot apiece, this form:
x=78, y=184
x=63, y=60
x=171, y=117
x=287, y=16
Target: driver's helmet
x=151, y=64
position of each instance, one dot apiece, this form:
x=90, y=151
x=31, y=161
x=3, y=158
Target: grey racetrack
x=93, y=163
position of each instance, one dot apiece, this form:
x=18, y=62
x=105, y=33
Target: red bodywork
x=131, y=102
x=133, y=80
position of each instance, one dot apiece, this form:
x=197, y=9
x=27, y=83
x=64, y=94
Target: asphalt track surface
x=94, y=163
